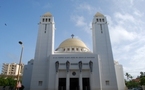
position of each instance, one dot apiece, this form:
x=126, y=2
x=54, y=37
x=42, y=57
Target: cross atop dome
x=72, y=35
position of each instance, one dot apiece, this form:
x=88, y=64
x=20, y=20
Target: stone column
x=80, y=81
x=91, y=74
x=91, y=80
x=56, y=77
x=67, y=81
x=99, y=61
x=67, y=76
x=56, y=81
x=80, y=77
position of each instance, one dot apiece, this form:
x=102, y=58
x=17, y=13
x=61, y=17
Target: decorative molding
x=80, y=66
x=67, y=66
x=56, y=65
x=91, y=66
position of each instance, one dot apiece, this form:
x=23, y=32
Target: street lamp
x=18, y=76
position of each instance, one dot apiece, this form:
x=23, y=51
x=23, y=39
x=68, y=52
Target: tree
x=130, y=77
x=130, y=83
x=142, y=81
x=7, y=81
x=127, y=75
x=11, y=81
x=141, y=74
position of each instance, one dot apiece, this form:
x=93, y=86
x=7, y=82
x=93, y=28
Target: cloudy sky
x=19, y=21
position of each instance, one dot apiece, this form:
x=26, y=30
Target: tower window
x=43, y=19
x=77, y=49
x=107, y=82
x=46, y=19
x=63, y=49
x=49, y=19
x=45, y=28
x=100, y=20
x=103, y=20
x=68, y=49
x=72, y=48
x=101, y=28
x=40, y=83
x=97, y=20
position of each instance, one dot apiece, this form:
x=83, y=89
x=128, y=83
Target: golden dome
x=72, y=42
x=48, y=14
x=99, y=15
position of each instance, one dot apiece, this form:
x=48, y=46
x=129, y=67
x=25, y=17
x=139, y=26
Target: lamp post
x=18, y=76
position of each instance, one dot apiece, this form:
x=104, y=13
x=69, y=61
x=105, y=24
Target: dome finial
x=98, y=14
x=48, y=14
x=72, y=35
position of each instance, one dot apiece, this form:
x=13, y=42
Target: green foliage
x=141, y=74
x=129, y=82
x=132, y=84
x=7, y=81
x=142, y=78
x=142, y=81
x=129, y=77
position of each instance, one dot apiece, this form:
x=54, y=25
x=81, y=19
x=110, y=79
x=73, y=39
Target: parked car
x=134, y=89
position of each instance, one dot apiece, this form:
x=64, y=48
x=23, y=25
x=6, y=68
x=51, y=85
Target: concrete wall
x=26, y=79
x=120, y=77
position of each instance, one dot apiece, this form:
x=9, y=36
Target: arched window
x=100, y=20
x=43, y=19
x=49, y=19
x=46, y=19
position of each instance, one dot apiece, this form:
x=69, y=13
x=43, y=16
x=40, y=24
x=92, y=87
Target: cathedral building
x=72, y=66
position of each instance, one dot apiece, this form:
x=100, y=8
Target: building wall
x=11, y=69
x=120, y=76
x=39, y=70
x=75, y=58
x=48, y=75
x=26, y=79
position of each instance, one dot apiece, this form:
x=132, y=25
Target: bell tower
x=100, y=33
x=102, y=47
x=45, y=39
x=44, y=49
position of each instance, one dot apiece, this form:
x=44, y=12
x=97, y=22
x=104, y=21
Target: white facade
x=11, y=69
x=27, y=74
x=72, y=66
x=120, y=76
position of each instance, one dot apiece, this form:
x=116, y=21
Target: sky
x=19, y=22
